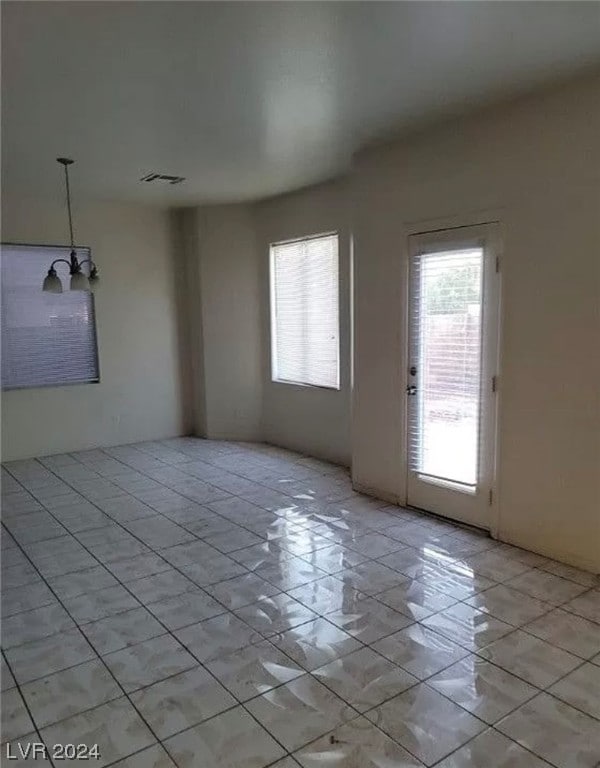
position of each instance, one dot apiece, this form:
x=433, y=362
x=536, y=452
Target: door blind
x=305, y=311
x=446, y=336
x=47, y=338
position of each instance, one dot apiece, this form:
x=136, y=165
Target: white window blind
x=305, y=311
x=446, y=328
x=47, y=338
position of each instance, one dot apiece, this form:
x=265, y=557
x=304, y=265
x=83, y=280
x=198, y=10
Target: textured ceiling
x=252, y=99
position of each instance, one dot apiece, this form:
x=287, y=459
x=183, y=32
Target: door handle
x=411, y=390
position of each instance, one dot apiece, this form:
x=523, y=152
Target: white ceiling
x=251, y=99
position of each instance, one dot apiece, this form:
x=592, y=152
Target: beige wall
x=142, y=393
x=312, y=420
x=224, y=305
x=535, y=166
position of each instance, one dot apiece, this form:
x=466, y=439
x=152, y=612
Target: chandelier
x=79, y=280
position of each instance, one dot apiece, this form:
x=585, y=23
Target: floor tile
x=563, y=736
x=506, y=754
x=275, y=614
x=415, y=600
x=138, y=567
x=420, y=650
x=26, y=598
x=69, y=692
x=315, y=643
x=181, y=701
x=509, y=605
x=15, y=717
x=467, y=626
x=534, y=660
x=123, y=629
x=371, y=578
x=299, y=712
x=568, y=631
x=356, y=744
x=368, y=620
x=34, y=625
x=586, y=605
x=217, y=637
x=98, y=605
x=153, y=757
x=185, y=609
x=461, y=583
x=82, y=582
x=147, y=662
x=322, y=572
x=580, y=689
x=50, y=654
x=217, y=568
x=483, y=689
x=546, y=586
x=115, y=727
x=584, y=578
x=253, y=670
x=327, y=594
x=6, y=677
x=232, y=540
x=334, y=558
x=376, y=545
x=151, y=589
x=425, y=723
x=230, y=740
x=285, y=574
x=495, y=566
x=241, y=590
x=364, y=679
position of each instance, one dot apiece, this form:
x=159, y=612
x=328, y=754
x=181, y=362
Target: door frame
x=490, y=223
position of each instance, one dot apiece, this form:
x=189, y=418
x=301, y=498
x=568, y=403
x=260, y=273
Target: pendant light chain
x=66, y=167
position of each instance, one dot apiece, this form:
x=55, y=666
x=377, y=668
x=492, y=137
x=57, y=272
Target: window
x=48, y=339
x=305, y=311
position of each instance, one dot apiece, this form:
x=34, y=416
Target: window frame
x=67, y=249
x=273, y=313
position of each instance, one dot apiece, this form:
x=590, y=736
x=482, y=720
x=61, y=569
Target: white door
x=452, y=372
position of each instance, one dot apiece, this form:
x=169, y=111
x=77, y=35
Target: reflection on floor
x=207, y=604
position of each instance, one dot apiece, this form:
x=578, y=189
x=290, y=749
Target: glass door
x=452, y=378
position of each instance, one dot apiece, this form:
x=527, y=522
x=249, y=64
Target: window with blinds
x=446, y=339
x=305, y=311
x=48, y=339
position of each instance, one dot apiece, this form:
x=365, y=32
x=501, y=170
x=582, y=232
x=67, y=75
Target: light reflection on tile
x=253, y=670
x=506, y=754
x=467, y=626
x=299, y=712
x=315, y=643
x=425, y=723
x=356, y=744
x=483, y=689
x=364, y=678
x=420, y=650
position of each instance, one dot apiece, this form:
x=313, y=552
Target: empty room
x=300, y=365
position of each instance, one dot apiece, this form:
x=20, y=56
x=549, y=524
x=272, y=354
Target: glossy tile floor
x=219, y=605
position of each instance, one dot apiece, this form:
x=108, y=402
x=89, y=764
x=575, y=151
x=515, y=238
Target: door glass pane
x=446, y=322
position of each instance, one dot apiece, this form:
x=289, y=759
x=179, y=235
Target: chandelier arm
x=64, y=261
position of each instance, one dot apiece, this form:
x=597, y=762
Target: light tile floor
x=219, y=605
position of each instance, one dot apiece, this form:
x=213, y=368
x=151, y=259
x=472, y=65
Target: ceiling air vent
x=163, y=177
